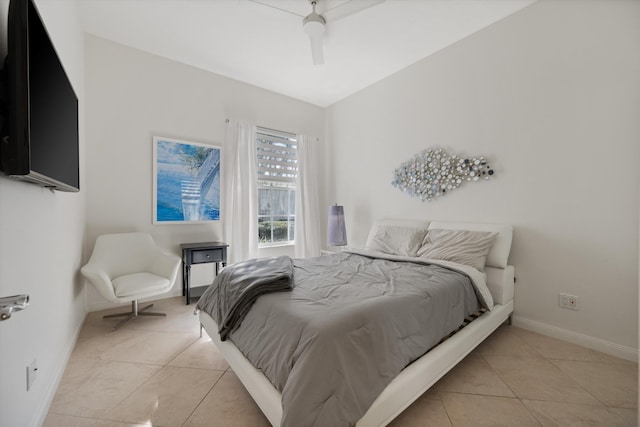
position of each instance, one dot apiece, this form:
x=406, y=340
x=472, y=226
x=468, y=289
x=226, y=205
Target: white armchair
x=129, y=266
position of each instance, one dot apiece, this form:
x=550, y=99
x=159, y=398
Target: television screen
x=42, y=146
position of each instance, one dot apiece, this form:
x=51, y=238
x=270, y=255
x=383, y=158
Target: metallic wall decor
x=434, y=172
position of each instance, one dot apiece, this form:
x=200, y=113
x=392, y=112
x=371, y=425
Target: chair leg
x=123, y=321
x=131, y=314
x=111, y=316
x=143, y=313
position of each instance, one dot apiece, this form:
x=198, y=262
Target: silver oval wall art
x=434, y=173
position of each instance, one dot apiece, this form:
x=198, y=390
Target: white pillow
x=499, y=253
x=397, y=237
x=461, y=246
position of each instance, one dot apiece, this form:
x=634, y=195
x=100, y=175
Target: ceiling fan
x=314, y=24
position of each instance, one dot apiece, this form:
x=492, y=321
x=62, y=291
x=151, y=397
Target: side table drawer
x=207, y=255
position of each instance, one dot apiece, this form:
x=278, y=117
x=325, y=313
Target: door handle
x=13, y=303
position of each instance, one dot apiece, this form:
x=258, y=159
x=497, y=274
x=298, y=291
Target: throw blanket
x=237, y=287
x=348, y=327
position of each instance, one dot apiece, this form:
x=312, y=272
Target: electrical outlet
x=32, y=370
x=569, y=301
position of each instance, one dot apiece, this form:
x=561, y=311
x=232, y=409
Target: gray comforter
x=348, y=327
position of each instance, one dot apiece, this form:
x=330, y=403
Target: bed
x=405, y=244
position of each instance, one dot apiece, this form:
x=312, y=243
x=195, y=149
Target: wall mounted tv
x=40, y=140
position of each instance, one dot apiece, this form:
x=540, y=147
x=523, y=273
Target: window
x=277, y=171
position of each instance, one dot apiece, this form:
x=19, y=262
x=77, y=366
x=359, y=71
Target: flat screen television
x=40, y=144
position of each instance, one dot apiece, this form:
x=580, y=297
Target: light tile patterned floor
x=157, y=371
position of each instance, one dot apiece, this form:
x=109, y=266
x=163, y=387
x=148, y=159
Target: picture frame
x=186, y=181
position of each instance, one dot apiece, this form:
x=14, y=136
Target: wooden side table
x=200, y=253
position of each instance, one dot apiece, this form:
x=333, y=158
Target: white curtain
x=240, y=206
x=307, y=226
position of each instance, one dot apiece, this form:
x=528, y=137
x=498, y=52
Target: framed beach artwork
x=186, y=181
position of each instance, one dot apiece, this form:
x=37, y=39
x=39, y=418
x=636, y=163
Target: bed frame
x=410, y=384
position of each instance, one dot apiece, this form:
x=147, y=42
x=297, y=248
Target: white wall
x=133, y=96
x=551, y=95
x=41, y=239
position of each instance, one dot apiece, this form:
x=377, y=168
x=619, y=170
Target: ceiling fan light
x=314, y=26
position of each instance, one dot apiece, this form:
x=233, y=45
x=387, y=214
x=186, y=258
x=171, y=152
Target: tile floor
x=157, y=371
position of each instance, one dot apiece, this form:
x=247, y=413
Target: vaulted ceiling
x=262, y=42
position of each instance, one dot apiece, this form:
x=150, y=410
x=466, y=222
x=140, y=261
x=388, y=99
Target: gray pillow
x=395, y=239
x=461, y=246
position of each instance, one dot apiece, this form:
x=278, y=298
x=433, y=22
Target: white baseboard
x=43, y=409
x=593, y=343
